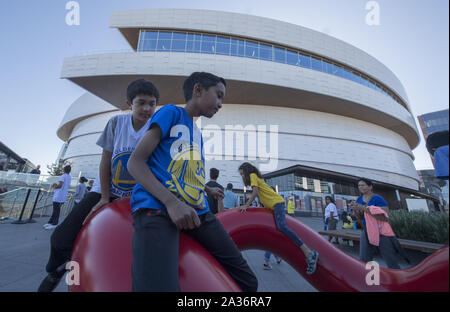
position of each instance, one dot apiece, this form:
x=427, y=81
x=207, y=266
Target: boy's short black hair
x=229, y=186
x=205, y=79
x=214, y=173
x=141, y=86
x=67, y=169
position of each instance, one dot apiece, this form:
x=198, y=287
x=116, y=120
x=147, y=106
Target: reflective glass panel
x=165, y=35
x=208, y=46
x=279, y=55
x=265, y=52
x=163, y=45
x=151, y=35
x=178, y=45
x=237, y=47
x=149, y=45
x=179, y=36
x=305, y=61
x=223, y=46
x=292, y=58
x=316, y=64
x=251, y=49
x=193, y=46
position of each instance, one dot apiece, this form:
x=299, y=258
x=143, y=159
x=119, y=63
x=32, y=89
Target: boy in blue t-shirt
x=169, y=167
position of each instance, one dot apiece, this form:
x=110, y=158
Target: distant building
x=10, y=161
x=433, y=122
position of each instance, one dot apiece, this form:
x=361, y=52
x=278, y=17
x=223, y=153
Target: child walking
x=270, y=199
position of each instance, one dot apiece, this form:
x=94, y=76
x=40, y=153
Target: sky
x=412, y=40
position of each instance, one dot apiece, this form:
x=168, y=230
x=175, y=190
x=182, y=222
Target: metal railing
x=19, y=206
x=18, y=179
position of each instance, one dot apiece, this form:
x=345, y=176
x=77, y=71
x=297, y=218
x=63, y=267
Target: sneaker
x=312, y=262
x=45, y=225
x=51, y=281
x=267, y=266
x=50, y=227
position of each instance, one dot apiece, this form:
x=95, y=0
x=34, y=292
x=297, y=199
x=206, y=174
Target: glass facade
x=166, y=41
x=309, y=191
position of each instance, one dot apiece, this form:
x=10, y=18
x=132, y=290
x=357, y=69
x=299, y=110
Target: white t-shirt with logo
x=120, y=138
x=331, y=208
x=60, y=194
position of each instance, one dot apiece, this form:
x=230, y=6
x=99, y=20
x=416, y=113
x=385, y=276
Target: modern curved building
x=295, y=96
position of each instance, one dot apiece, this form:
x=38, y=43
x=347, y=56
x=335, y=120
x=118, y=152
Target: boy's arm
x=58, y=186
x=184, y=216
x=215, y=192
x=105, y=180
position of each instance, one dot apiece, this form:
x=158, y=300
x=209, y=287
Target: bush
x=420, y=226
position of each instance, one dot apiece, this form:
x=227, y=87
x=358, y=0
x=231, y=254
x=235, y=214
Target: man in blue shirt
x=230, y=200
x=170, y=193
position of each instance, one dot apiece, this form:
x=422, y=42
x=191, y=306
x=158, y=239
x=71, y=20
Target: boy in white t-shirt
x=59, y=197
x=118, y=140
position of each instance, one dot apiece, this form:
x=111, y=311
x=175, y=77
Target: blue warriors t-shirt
x=177, y=162
x=376, y=200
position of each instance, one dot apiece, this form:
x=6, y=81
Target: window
x=329, y=67
x=223, y=46
x=305, y=61
x=179, y=42
x=316, y=64
x=265, y=52
x=208, y=44
x=251, y=49
x=279, y=55
x=193, y=43
x=164, y=41
x=237, y=47
x=337, y=71
x=292, y=58
x=148, y=35
x=347, y=74
x=149, y=45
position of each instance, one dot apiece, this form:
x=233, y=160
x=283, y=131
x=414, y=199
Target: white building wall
x=260, y=28
x=235, y=68
x=309, y=138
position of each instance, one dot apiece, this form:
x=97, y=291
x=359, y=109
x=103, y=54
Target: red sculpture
x=103, y=251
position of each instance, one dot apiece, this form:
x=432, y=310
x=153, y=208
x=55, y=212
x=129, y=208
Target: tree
x=57, y=169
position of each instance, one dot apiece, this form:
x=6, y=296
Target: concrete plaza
x=24, y=251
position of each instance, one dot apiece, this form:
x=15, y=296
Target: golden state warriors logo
x=120, y=177
x=188, y=176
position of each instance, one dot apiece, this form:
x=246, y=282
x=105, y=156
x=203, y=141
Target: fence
x=19, y=206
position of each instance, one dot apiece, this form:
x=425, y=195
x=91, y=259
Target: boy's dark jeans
x=155, y=252
x=64, y=235
x=55, y=214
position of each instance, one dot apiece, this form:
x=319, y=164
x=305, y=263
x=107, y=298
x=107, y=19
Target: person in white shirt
x=59, y=197
x=331, y=215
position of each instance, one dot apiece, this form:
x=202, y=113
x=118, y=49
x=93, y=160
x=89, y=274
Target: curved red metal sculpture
x=103, y=251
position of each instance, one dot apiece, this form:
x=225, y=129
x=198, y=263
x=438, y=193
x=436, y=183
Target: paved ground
x=24, y=251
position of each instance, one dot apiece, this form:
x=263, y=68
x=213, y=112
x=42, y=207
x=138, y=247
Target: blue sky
x=411, y=40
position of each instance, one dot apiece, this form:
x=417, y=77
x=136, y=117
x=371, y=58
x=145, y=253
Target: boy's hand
x=100, y=204
x=243, y=208
x=215, y=192
x=185, y=217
